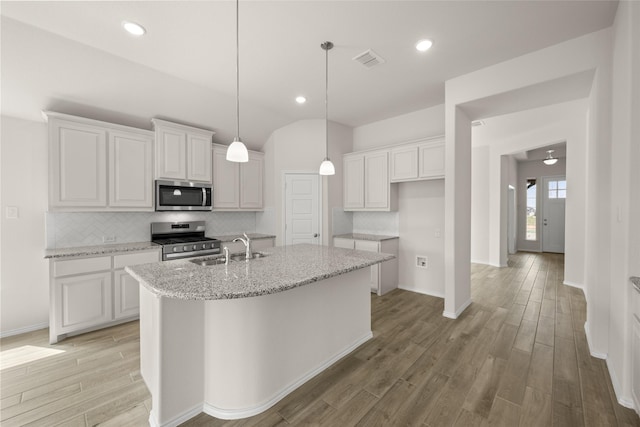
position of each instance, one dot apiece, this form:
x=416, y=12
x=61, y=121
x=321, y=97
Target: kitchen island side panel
x=259, y=349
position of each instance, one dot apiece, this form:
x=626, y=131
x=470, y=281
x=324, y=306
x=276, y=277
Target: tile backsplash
x=88, y=228
x=385, y=223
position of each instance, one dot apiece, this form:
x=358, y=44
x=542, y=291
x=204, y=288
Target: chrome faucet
x=247, y=244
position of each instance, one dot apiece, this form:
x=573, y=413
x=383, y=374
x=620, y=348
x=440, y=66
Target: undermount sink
x=208, y=261
x=219, y=260
x=243, y=256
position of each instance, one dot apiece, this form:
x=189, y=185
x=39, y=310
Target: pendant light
x=326, y=167
x=550, y=160
x=237, y=151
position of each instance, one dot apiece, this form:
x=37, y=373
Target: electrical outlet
x=422, y=262
x=437, y=233
x=108, y=239
x=12, y=212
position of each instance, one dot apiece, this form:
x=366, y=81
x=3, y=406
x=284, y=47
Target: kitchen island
x=232, y=340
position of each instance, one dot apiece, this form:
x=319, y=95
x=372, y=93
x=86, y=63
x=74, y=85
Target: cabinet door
x=84, y=301
x=431, y=160
x=340, y=242
x=126, y=295
x=367, y=245
x=170, y=156
x=353, y=182
x=199, y=157
x=130, y=174
x=78, y=165
x=226, y=185
x=404, y=164
x=376, y=181
x=251, y=181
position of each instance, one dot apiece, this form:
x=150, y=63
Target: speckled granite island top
x=363, y=236
x=99, y=250
x=284, y=267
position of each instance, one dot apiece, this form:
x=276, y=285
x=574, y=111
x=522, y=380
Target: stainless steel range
x=183, y=239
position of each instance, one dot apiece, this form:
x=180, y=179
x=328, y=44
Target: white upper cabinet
x=237, y=186
x=366, y=182
x=376, y=181
x=77, y=164
x=404, y=164
x=251, y=174
x=130, y=170
x=182, y=152
x=431, y=157
x=353, y=182
x=98, y=166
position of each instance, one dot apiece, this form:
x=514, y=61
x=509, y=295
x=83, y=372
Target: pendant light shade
x=237, y=151
x=326, y=167
x=550, y=160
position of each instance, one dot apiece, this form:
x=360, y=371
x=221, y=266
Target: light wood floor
x=517, y=356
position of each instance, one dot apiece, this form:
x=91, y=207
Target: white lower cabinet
x=384, y=276
x=635, y=348
x=256, y=245
x=93, y=292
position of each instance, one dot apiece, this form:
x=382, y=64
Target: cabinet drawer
x=80, y=266
x=121, y=261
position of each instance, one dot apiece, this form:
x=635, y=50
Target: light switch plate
x=12, y=212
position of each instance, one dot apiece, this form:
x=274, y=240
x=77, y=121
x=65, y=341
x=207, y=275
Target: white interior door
x=554, y=195
x=302, y=208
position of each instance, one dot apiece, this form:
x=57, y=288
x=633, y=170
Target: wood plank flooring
x=517, y=357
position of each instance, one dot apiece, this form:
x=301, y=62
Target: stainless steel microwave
x=183, y=196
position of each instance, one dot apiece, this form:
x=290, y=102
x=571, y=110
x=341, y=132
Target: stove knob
x=213, y=245
x=204, y=246
x=195, y=247
x=186, y=248
x=175, y=249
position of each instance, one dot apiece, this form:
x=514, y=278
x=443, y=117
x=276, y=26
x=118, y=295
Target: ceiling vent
x=369, y=59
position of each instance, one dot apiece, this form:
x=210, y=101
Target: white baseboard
x=574, y=285
x=490, y=264
x=234, y=414
x=421, y=291
x=623, y=400
x=458, y=312
x=24, y=330
x=176, y=421
x=595, y=354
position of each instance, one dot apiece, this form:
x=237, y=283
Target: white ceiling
x=74, y=56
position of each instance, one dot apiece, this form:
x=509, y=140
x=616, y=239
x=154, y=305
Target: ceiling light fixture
x=326, y=167
x=424, y=45
x=301, y=99
x=550, y=160
x=133, y=28
x=237, y=151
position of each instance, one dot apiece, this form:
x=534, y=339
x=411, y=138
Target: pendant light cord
x=238, y=69
x=326, y=101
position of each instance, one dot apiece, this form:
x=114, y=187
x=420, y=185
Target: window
x=558, y=189
x=531, y=209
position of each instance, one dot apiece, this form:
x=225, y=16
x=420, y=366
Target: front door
x=553, y=199
x=302, y=208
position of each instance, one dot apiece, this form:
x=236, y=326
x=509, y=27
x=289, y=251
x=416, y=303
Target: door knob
x=315, y=235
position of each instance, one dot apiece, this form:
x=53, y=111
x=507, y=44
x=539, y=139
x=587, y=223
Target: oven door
x=182, y=196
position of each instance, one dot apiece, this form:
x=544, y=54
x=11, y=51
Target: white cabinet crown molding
x=48, y=115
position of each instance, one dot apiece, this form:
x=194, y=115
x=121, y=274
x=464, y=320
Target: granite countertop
x=99, y=249
x=252, y=236
x=363, y=236
x=284, y=268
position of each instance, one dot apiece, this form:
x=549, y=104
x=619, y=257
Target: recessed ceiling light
x=424, y=45
x=133, y=28
x=301, y=99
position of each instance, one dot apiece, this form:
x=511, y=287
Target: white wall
x=480, y=191
x=535, y=169
x=625, y=197
x=24, y=275
x=421, y=220
x=300, y=147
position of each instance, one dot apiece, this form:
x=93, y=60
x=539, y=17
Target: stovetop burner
x=183, y=239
